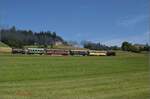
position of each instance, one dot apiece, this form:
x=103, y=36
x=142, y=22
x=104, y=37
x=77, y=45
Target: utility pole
x=0, y=28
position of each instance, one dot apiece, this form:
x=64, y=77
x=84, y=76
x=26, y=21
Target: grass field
x=125, y=76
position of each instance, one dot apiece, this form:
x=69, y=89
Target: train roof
x=59, y=50
x=79, y=50
x=35, y=48
x=100, y=51
x=17, y=49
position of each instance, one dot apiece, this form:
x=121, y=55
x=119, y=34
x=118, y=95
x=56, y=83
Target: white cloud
x=143, y=38
x=132, y=20
x=78, y=34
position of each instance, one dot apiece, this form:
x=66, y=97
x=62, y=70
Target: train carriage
x=18, y=51
x=36, y=51
x=79, y=52
x=57, y=52
x=97, y=53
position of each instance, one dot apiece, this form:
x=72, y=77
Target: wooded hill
x=20, y=38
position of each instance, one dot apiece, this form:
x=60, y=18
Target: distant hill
x=19, y=38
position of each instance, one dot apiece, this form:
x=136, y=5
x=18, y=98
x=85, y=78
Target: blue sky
x=107, y=21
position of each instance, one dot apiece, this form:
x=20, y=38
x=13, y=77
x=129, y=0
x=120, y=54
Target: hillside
x=19, y=38
x=3, y=45
x=4, y=48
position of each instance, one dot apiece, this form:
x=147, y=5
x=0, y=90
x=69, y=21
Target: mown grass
x=125, y=76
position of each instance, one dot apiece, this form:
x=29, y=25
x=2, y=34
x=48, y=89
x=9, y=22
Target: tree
x=146, y=47
x=114, y=48
x=95, y=46
x=126, y=46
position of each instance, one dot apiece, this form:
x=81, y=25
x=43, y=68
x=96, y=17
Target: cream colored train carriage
x=97, y=53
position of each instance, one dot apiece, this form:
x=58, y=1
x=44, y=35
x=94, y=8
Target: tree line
x=126, y=46
x=20, y=38
x=98, y=46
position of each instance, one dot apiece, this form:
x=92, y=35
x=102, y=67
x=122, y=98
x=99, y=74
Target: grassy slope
x=3, y=45
x=122, y=77
x=4, y=48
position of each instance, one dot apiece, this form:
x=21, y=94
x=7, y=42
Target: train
x=62, y=52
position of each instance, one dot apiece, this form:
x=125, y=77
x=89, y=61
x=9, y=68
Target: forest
x=20, y=38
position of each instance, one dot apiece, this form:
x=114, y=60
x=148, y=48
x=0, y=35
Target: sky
x=107, y=21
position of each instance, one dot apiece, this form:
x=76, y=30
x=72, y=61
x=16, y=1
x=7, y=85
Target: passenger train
x=62, y=52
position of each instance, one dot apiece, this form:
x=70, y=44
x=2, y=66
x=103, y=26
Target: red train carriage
x=57, y=52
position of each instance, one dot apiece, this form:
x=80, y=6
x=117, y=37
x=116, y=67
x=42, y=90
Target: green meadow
x=125, y=76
